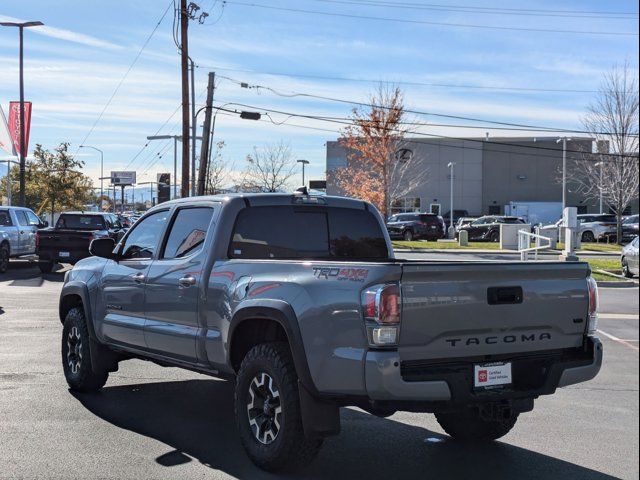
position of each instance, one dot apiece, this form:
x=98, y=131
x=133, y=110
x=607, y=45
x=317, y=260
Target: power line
x=488, y=10
x=126, y=74
x=417, y=112
x=426, y=22
x=401, y=82
x=350, y=122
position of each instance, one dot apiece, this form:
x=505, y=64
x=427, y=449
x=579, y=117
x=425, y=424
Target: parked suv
x=487, y=228
x=596, y=227
x=413, y=226
x=457, y=214
x=300, y=300
x=18, y=227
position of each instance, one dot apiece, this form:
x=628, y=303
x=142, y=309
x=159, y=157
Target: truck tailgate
x=476, y=309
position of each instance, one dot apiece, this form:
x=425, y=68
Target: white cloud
x=68, y=35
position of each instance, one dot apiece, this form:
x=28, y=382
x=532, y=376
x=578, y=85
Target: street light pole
x=303, y=162
x=21, y=26
x=564, y=170
x=600, y=164
x=101, y=169
x=451, y=228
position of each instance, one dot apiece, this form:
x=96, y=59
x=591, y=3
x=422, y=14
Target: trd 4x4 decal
x=335, y=273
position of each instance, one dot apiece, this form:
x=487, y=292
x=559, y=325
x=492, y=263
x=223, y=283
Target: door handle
x=138, y=277
x=187, y=281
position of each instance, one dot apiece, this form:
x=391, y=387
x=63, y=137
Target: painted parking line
x=620, y=341
x=619, y=316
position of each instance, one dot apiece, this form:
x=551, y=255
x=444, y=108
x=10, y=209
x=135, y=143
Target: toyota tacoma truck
x=300, y=301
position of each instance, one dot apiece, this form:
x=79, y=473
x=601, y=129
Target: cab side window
x=5, y=219
x=188, y=232
x=142, y=241
x=34, y=221
x=22, y=218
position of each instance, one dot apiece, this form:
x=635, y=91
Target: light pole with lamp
x=452, y=230
x=564, y=170
x=304, y=163
x=600, y=164
x=21, y=26
x=101, y=169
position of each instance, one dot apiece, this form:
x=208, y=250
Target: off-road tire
x=4, y=258
x=588, y=237
x=290, y=449
x=407, y=235
x=625, y=268
x=77, y=365
x=45, y=267
x=468, y=426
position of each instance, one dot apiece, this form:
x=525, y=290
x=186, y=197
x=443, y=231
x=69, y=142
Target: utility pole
x=22, y=143
x=193, y=128
x=564, y=170
x=184, y=50
x=206, y=130
x=452, y=230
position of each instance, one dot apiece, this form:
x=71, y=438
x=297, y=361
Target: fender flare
x=282, y=313
x=103, y=359
x=319, y=418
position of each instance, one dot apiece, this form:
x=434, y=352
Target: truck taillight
x=592, y=317
x=382, y=310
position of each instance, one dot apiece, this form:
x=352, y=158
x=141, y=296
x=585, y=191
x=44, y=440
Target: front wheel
x=626, y=271
x=588, y=237
x=407, y=235
x=494, y=236
x=470, y=426
x=76, y=355
x=45, y=267
x=267, y=410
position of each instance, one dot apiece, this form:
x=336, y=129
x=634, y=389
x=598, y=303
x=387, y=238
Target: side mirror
x=103, y=247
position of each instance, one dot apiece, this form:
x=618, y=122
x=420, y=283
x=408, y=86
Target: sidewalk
x=552, y=253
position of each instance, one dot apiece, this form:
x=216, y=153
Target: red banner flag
x=14, y=125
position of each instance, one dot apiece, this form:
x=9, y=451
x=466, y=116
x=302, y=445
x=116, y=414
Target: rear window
x=80, y=222
x=430, y=219
x=293, y=232
x=605, y=218
x=512, y=220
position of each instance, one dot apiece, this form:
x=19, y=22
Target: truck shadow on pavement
x=195, y=418
x=27, y=274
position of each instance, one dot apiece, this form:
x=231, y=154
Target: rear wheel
x=267, y=410
x=4, y=258
x=588, y=237
x=76, y=355
x=626, y=271
x=407, y=235
x=468, y=425
x=45, y=267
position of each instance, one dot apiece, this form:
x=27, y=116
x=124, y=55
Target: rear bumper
x=539, y=373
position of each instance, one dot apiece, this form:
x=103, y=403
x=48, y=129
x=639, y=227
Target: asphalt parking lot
x=154, y=422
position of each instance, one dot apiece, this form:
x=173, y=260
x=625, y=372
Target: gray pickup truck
x=300, y=301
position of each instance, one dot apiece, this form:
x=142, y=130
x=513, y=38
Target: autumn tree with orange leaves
x=378, y=169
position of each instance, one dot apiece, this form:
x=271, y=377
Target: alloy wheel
x=74, y=350
x=264, y=408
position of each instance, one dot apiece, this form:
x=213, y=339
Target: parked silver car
x=597, y=227
x=629, y=259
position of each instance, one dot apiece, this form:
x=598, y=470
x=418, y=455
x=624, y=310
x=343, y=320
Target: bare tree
x=612, y=171
x=380, y=169
x=218, y=171
x=269, y=168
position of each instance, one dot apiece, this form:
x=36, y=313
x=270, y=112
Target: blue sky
x=74, y=64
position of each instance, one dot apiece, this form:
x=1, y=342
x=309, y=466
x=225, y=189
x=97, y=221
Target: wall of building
x=488, y=173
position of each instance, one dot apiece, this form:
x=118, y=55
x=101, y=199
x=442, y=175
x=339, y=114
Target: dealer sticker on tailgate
x=492, y=374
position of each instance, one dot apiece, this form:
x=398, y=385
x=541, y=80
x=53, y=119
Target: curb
x=621, y=284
